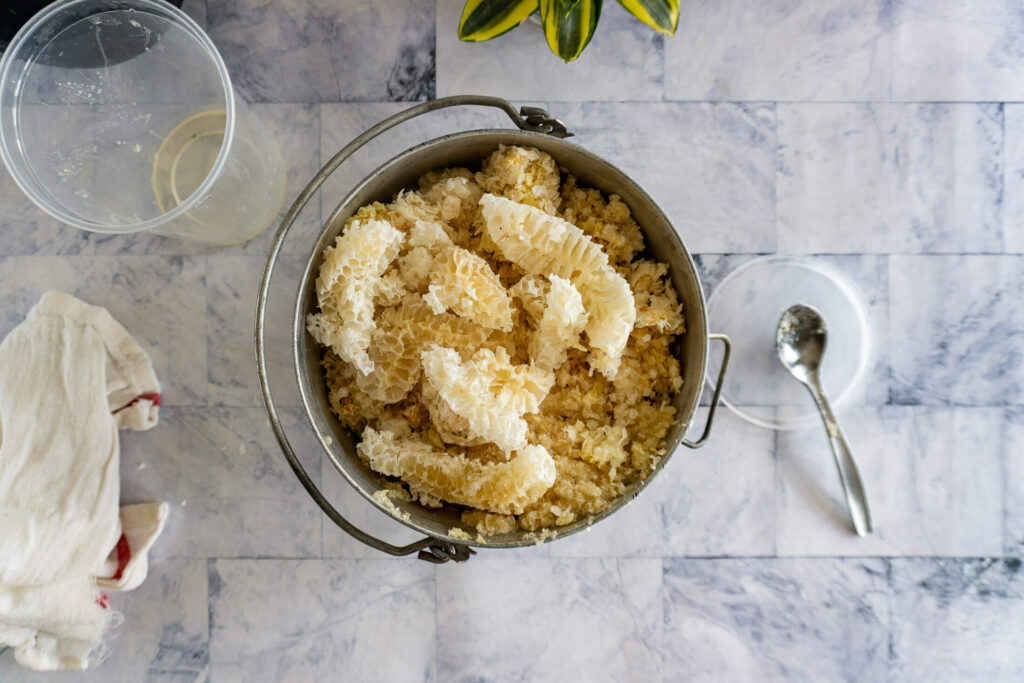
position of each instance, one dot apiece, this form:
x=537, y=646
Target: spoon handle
x=856, y=500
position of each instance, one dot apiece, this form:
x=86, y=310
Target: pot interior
x=469, y=149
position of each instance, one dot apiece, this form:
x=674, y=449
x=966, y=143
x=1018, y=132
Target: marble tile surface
x=325, y=51
x=1013, y=476
x=716, y=182
x=284, y=620
x=884, y=178
x=1013, y=179
x=623, y=62
x=883, y=138
x=230, y=492
x=776, y=620
x=966, y=51
x=957, y=329
x=926, y=497
x=957, y=620
x=550, y=620
x=838, y=50
x=232, y=286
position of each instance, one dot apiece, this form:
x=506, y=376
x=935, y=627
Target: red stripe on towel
x=124, y=553
x=153, y=397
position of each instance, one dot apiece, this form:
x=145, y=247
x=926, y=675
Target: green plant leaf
x=661, y=15
x=486, y=19
x=569, y=25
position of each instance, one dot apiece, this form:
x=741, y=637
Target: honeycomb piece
x=531, y=290
x=395, y=355
x=657, y=304
x=397, y=342
x=504, y=487
x=523, y=174
x=409, y=208
x=432, y=178
x=415, y=268
x=488, y=391
x=430, y=235
x=608, y=222
x=543, y=244
x=560, y=324
x=464, y=283
x=520, y=387
x=452, y=427
x=454, y=199
x=604, y=447
x=346, y=286
x=392, y=289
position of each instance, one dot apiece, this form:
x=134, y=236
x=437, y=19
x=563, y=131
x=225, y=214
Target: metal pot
x=535, y=129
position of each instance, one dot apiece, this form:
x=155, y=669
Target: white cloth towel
x=70, y=376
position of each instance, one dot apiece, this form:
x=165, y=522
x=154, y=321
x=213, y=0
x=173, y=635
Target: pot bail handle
x=429, y=549
x=714, y=397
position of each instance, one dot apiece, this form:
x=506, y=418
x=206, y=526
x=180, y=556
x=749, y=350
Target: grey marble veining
x=957, y=329
x=1013, y=184
x=715, y=180
x=885, y=178
x=285, y=620
x=950, y=50
x=232, y=287
x=933, y=477
x=324, y=51
x=1013, y=482
x=550, y=620
x=957, y=620
x=752, y=50
x=230, y=492
x=776, y=620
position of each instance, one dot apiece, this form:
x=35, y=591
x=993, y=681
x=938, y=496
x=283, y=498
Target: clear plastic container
x=118, y=116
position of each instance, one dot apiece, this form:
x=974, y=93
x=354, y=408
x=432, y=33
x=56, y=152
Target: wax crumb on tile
x=142, y=465
x=241, y=449
x=183, y=503
x=328, y=440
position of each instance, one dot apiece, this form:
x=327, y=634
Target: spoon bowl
x=800, y=339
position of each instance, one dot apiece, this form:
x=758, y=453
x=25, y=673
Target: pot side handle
x=430, y=549
x=714, y=397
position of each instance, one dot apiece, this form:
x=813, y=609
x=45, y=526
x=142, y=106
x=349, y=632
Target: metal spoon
x=800, y=343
